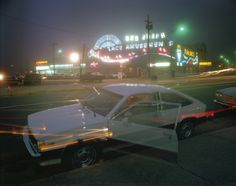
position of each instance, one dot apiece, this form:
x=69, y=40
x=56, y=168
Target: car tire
x=185, y=130
x=81, y=156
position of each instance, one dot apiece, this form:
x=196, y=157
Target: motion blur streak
x=92, y=131
x=62, y=140
x=10, y=125
x=41, y=103
x=20, y=132
x=20, y=110
x=54, y=144
x=11, y=118
x=206, y=114
x=17, y=126
x=47, y=147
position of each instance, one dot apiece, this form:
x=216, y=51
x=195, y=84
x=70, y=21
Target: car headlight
x=219, y=94
x=1, y=77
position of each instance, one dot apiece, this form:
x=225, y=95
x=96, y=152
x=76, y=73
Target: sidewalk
x=207, y=159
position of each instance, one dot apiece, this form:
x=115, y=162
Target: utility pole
x=149, y=27
x=54, y=56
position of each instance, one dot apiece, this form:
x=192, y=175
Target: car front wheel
x=185, y=130
x=81, y=156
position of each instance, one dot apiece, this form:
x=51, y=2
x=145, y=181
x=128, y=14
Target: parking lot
x=206, y=159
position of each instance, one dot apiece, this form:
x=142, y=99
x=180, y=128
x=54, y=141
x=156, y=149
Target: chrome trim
x=50, y=162
x=30, y=147
x=223, y=103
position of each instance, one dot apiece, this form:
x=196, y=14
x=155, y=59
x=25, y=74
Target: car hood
x=66, y=119
x=231, y=91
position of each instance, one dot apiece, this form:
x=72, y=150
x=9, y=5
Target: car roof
x=126, y=89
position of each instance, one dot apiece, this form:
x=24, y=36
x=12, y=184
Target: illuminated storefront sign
x=189, y=53
x=42, y=62
x=153, y=36
x=49, y=69
x=62, y=66
x=186, y=56
x=136, y=46
x=205, y=63
x=160, y=64
x=40, y=68
x=110, y=49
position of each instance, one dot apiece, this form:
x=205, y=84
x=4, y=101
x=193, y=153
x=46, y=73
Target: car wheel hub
x=84, y=157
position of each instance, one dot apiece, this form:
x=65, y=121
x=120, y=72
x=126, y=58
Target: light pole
x=54, y=56
x=149, y=27
x=74, y=58
x=180, y=30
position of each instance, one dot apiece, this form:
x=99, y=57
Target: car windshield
x=98, y=102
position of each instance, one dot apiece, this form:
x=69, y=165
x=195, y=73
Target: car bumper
x=224, y=103
x=45, y=159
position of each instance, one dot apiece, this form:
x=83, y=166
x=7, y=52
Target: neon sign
x=133, y=47
x=153, y=36
x=41, y=62
x=189, y=53
x=186, y=56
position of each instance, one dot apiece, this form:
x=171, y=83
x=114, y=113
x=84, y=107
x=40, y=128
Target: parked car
x=7, y=79
x=92, y=77
x=134, y=113
x=32, y=79
x=226, y=96
x=118, y=75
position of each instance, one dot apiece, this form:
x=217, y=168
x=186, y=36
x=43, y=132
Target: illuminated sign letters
x=189, y=53
x=41, y=62
x=132, y=43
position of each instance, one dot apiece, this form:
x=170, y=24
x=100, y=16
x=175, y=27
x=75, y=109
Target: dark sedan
x=92, y=77
x=32, y=79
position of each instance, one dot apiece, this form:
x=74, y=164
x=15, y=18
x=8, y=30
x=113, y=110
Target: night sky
x=29, y=27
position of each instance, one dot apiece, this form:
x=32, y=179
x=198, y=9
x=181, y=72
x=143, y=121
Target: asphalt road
x=18, y=167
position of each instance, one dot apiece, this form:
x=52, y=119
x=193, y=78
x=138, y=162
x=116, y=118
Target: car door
x=168, y=113
x=135, y=125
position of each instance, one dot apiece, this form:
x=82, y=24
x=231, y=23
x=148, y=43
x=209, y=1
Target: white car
x=134, y=113
x=118, y=75
x=226, y=96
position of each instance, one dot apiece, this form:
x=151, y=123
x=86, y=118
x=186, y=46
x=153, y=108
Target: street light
x=74, y=57
x=225, y=60
x=59, y=51
x=181, y=29
x=178, y=32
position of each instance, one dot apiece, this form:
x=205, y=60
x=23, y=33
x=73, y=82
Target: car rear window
x=175, y=98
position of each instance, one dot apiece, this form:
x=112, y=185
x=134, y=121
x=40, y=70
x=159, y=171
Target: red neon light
x=205, y=114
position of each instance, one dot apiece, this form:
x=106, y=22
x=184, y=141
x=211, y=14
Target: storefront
x=135, y=55
x=44, y=68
